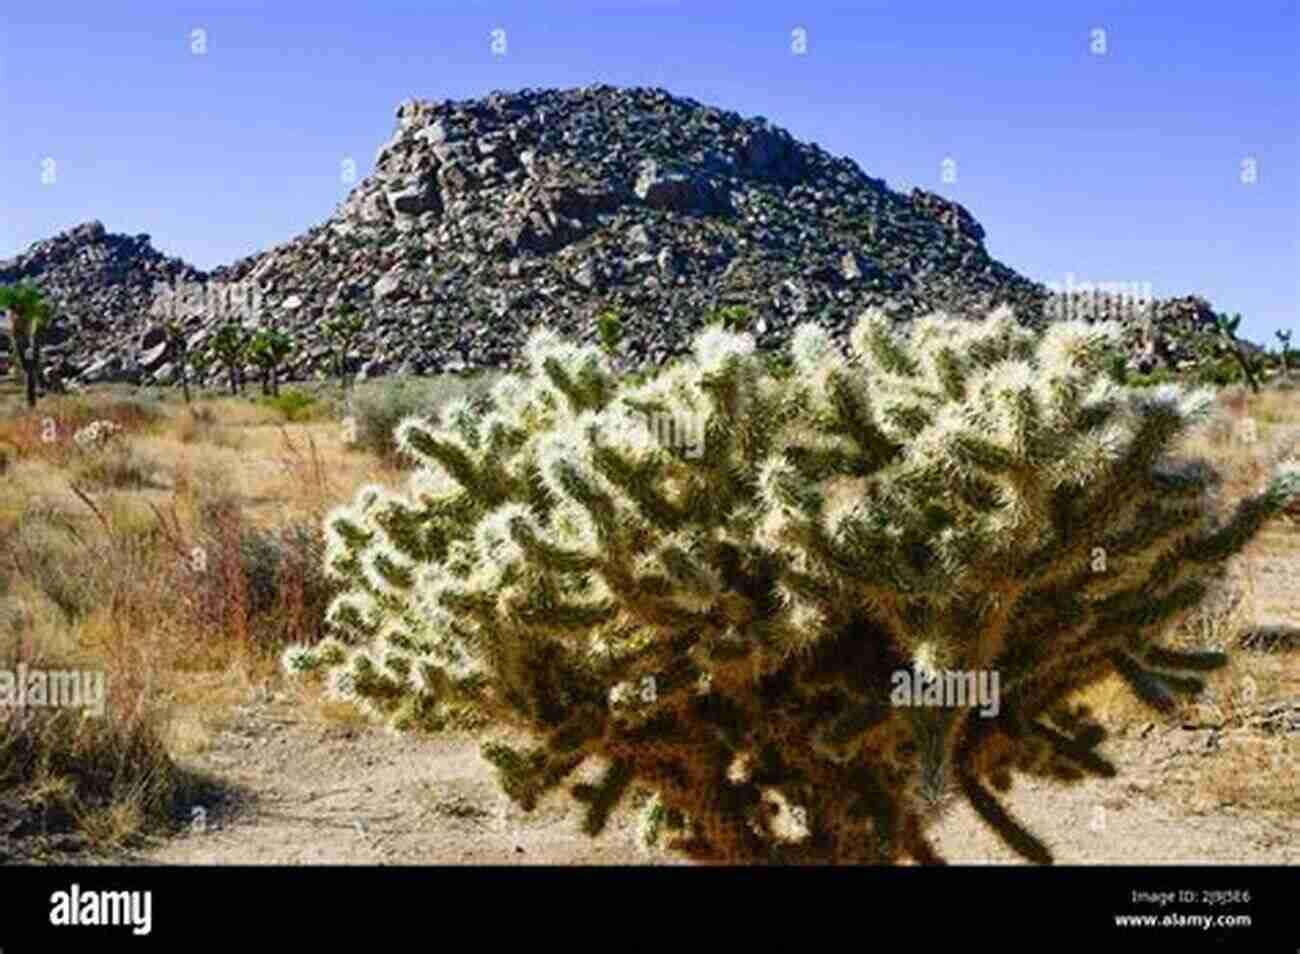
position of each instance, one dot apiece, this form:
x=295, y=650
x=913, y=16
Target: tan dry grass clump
x=100, y=568
x=99, y=565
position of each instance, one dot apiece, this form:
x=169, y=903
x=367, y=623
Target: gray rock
x=450, y=151
x=415, y=197
x=100, y=370
x=854, y=266
x=455, y=178
x=434, y=133
x=153, y=358
x=676, y=191
x=764, y=150
x=389, y=286
x=667, y=261
x=153, y=335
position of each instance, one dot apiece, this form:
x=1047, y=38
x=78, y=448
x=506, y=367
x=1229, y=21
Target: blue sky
x=1117, y=166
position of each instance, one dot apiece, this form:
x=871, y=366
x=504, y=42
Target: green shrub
x=1151, y=379
x=609, y=328
x=1117, y=366
x=730, y=623
x=1219, y=372
x=377, y=407
x=269, y=582
x=294, y=405
x=735, y=318
x=271, y=558
x=778, y=364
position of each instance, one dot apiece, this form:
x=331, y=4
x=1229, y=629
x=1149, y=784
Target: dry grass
x=179, y=559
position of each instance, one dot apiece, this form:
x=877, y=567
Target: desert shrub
x=270, y=558
x=734, y=628
x=1151, y=379
x=1116, y=365
x=53, y=559
x=778, y=364
x=96, y=435
x=1219, y=372
x=116, y=465
x=376, y=408
x=294, y=405
x=132, y=414
x=268, y=583
x=735, y=318
x=107, y=777
x=203, y=424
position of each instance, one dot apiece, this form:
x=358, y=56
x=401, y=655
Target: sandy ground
x=320, y=793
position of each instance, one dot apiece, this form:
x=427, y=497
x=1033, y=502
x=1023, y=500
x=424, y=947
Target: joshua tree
x=229, y=345
x=267, y=348
x=342, y=332
x=609, y=328
x=1284, y=337
x=178, y=351
x=777, y=635
x=201, y=359
x=30, y=313
x=1228, y=329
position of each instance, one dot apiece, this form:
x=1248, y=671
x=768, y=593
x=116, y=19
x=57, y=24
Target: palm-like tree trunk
x=26, y=356
x=30, y=371
x=184, y=374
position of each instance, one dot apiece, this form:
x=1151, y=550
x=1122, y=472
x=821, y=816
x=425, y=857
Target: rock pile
x=486, y=217
x=104, y=285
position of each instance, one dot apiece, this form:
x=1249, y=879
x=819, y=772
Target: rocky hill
x=104, y=285
x=486, y=217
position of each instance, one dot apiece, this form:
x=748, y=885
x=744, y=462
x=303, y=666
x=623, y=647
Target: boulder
x=414, y=196
x=676, y=191
x=153, y=358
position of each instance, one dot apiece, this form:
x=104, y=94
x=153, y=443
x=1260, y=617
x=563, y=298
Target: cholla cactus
x=1288, y=469
x=725, y=629
x=95, y=435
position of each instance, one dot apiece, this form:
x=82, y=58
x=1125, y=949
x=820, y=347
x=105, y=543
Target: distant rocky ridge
x=485, y=218
x=104, y=285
